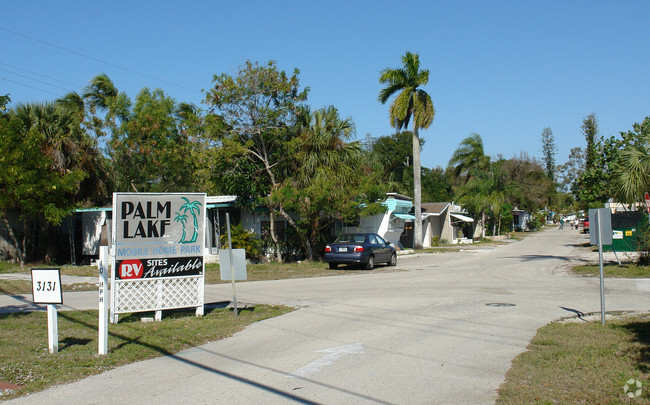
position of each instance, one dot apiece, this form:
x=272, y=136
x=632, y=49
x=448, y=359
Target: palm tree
x=100, y=95
x=75, y=103
x=100, y=92
x=469, y=155
x=411, y=103
x=322, y=149
x=632, y=173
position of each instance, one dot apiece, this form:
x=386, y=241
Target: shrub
x=243, y=239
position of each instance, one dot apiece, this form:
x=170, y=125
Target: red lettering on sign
x=131, y=269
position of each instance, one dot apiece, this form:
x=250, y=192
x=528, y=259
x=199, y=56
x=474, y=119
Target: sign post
x=103, y=301
x=601, y=234
x=46, y=289
x=232, y=265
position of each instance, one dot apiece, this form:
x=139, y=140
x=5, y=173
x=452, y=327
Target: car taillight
x=358, y=248
x=328, y=248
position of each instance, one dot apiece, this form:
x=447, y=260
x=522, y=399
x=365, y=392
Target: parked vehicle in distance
x=366, y=249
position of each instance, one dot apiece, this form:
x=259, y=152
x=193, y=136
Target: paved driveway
x=443, y=330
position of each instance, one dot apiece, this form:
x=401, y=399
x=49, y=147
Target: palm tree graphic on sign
x=181, y=216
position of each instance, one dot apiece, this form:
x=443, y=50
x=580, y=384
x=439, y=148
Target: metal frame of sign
x=158, y=246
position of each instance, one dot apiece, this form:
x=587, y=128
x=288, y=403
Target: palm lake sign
x=158, y=247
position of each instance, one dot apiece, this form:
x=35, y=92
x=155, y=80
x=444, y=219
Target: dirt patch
x=7, y=388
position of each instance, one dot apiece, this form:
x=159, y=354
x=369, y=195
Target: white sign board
x=46, y=286
x=239, y=264
x=158, y=245
x=158, y=235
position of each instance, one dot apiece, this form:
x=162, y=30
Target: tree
x=149, y=151
x=413, y=103
x=632, y=170
x=568, y=172
x=475, y=195
x=48, y=166
x=101, y=95
x=590, y=132
x=260, y=106
x=593, y=186
x=528, y=186
x=469, y=155
x=329, y=180
x=436, y=185
x=549, y=150
x=395, y=152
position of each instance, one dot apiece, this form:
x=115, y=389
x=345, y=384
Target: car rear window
x=351, y=238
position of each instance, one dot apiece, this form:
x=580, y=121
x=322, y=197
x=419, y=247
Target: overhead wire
x=36, y=80
x=97, y=59
x=40, y=74
x=31, y=87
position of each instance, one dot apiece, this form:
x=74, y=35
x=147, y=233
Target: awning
x=404, y=216
x=462, y=217
x=430, y=214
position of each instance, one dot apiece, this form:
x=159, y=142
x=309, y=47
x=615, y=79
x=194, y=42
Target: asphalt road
x=443, y=330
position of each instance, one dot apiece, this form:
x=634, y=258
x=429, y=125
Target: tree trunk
x=483, y=224
x=14, y=240
x=274, y=186
x=303, y=238
x=417, y=188
x=23, y=256
x=274, y=237
x=499, y=227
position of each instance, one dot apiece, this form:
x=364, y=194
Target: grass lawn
x=626, y=270
x=582, y=362
x=26, y=362
x=255, y=272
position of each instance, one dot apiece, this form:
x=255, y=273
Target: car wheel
x=393, y=260
x=334, y=266
x=371, y=263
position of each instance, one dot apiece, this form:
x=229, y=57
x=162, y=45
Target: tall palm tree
x=100, y=92
x=100, y=96
x=469, y=155
x=411, y=103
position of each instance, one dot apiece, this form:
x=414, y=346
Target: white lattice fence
x=158, y=294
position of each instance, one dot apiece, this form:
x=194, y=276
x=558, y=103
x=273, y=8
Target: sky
x=503, y=69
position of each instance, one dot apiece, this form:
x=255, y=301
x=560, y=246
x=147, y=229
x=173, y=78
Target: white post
x=103, y=301
x=232, y=265
x=52, y=329
x=113, y=317
x=599, y=229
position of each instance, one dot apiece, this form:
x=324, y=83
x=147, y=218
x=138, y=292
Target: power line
x=36, y=80
x=40, y=74
x=31, y=87
x=97, y=59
